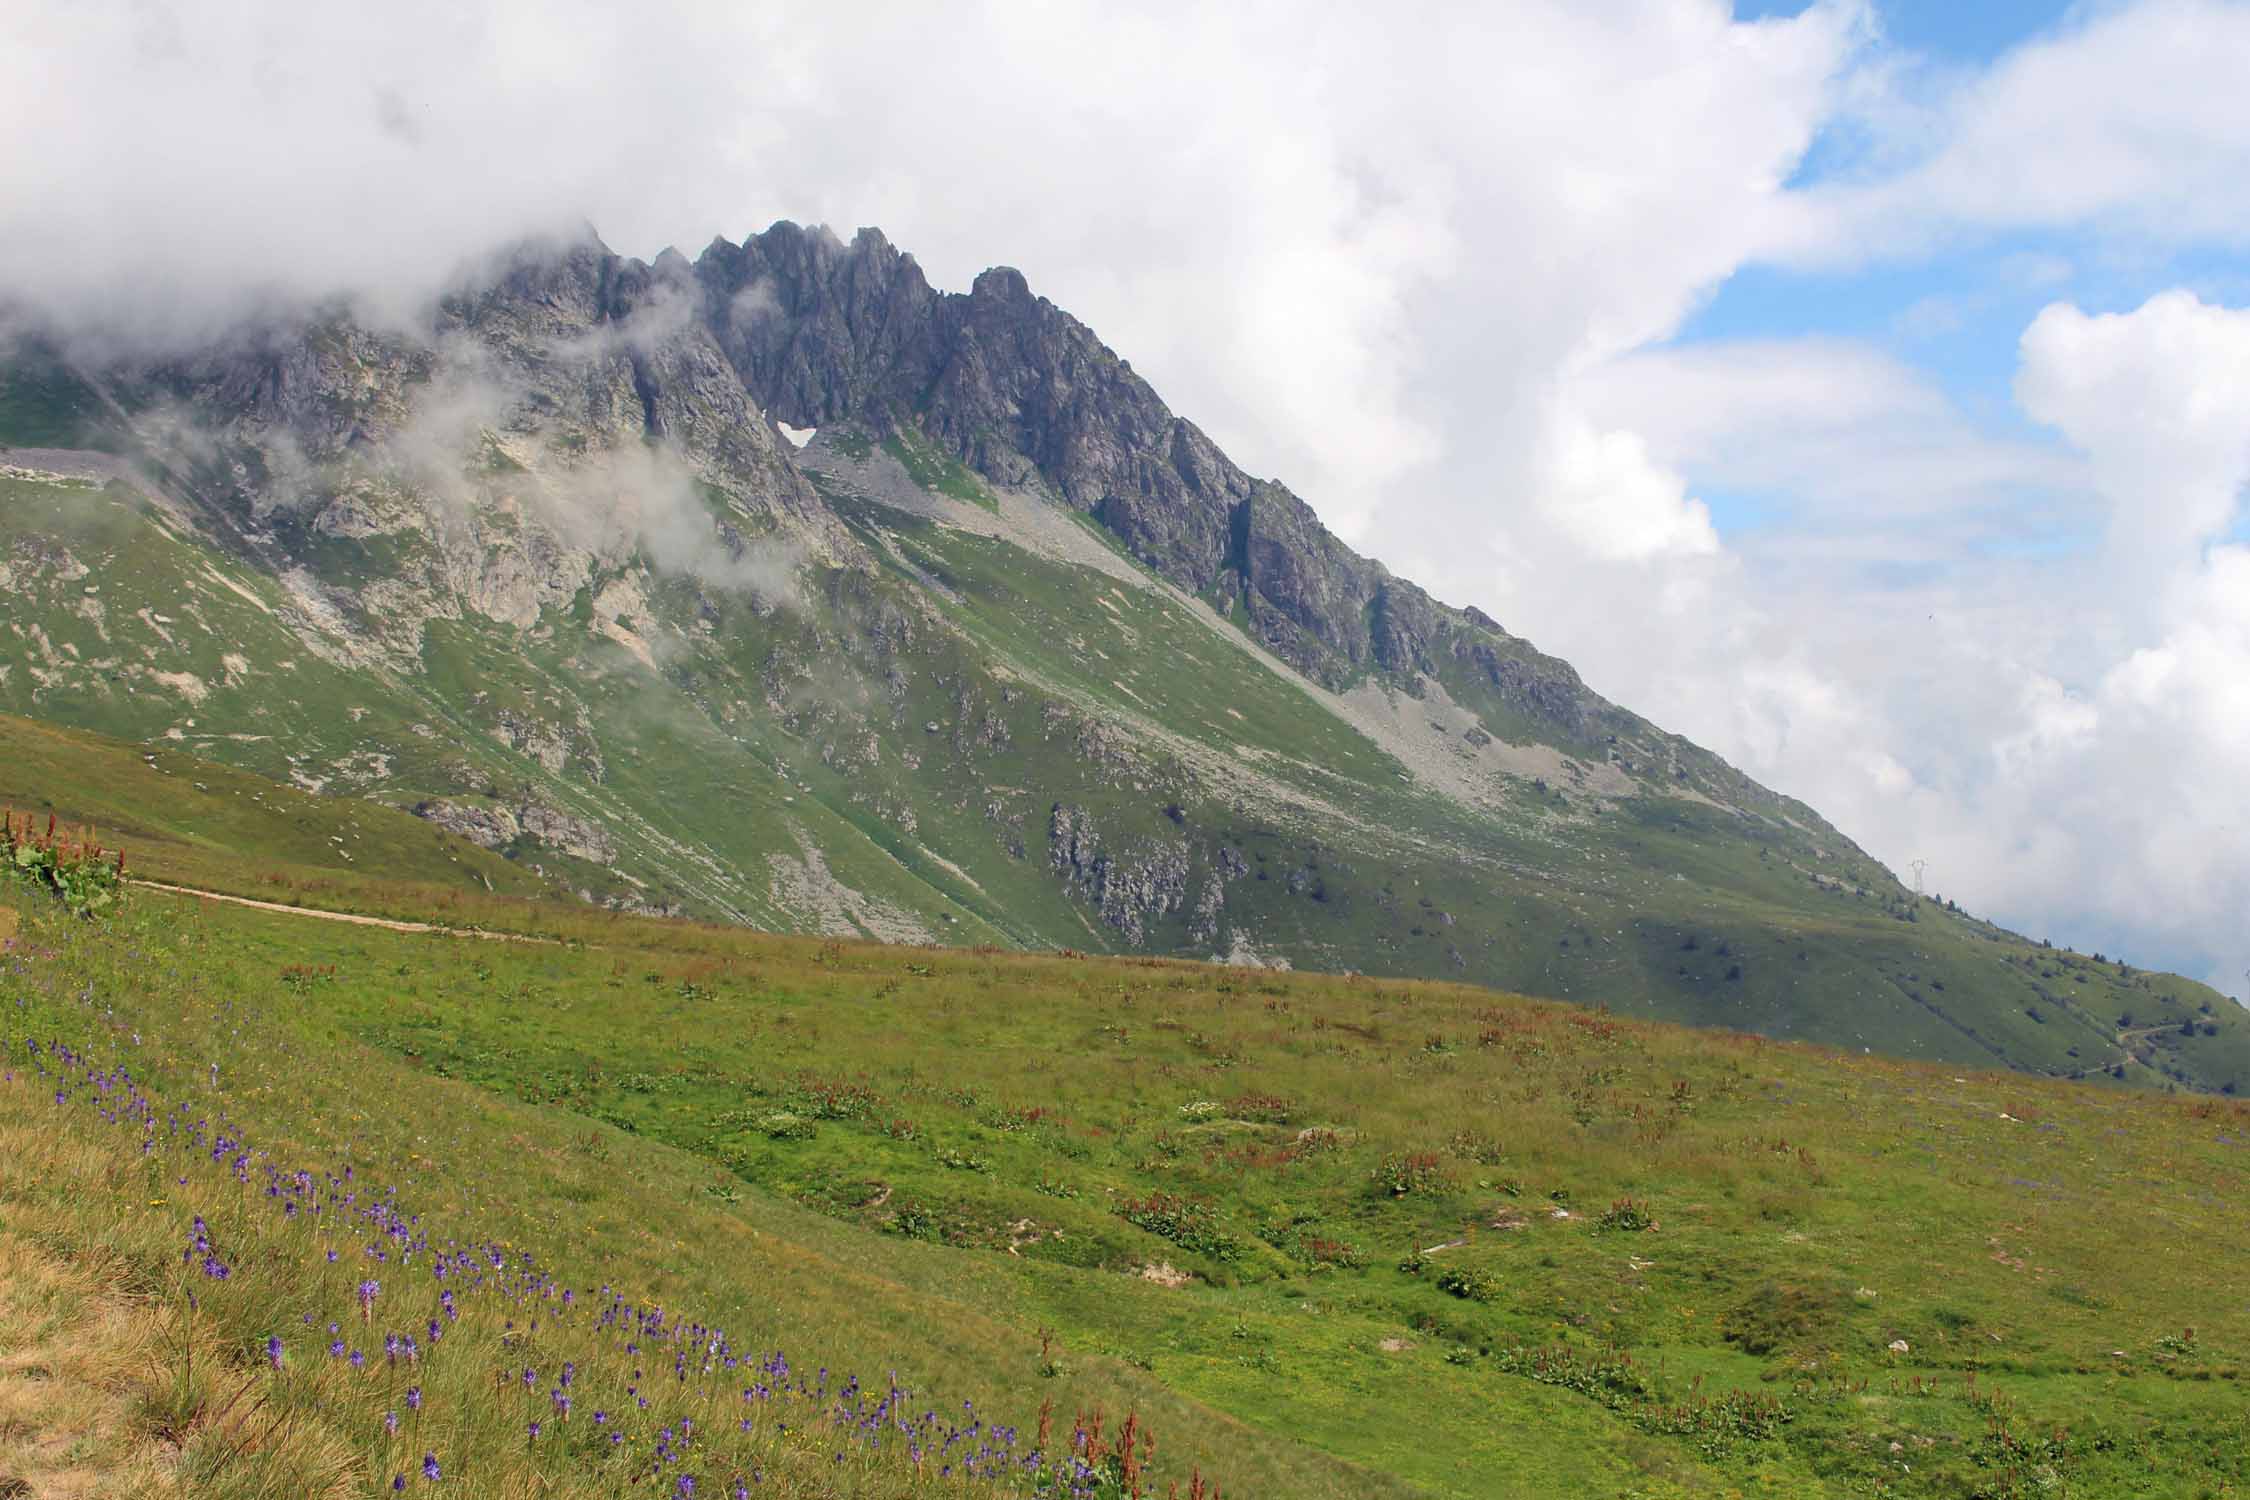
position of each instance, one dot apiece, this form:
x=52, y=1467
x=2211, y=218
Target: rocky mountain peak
x=1001, y=283
x=1025, y=394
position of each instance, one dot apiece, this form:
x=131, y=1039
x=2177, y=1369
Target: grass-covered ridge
x=1327, y=1236
x=198, y=823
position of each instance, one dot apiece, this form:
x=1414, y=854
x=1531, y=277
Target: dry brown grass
x=108, y=1389
x=77, y=1362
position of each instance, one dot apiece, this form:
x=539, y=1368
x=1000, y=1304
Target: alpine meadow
x=737, y=875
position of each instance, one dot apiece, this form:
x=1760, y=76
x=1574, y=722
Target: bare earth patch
x=806, y=887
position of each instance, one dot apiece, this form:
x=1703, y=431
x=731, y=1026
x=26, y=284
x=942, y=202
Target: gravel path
x=356, y=919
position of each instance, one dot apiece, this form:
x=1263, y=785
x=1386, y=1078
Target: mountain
x=778, y=587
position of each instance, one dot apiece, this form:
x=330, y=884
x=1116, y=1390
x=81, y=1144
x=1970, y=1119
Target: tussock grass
x=110, y=1387
x=75, y=1356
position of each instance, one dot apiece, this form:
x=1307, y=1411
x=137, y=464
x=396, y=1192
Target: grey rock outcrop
x=488, y=826
x=566, y=833
x=1130, y=891
x=495, y=826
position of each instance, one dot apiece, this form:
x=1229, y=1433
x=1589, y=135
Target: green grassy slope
x=885, y=758
x=44, y=405
x=195, y=822
x=1429, y=1239
x=1660, y=907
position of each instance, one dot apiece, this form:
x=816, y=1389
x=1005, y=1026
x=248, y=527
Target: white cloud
x=1603, y=491
x=2131, y=119
x=1773, y=416
x=2065, y=738
x=1328, y=236
x=2159, y=399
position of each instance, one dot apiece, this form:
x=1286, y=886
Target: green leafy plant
x=1626, y=1216
x=1402, y=1173
x=1468, y=1283
x=960, y=1161
x=85, y=877
x=1186, y=1222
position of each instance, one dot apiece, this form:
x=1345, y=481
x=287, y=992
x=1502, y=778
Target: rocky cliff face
x=571, y=362
x=1020, y=391
x=1133, y=890
x=823, y=332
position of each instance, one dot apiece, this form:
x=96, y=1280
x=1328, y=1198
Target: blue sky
x=1970, y=31
x=1954, y=316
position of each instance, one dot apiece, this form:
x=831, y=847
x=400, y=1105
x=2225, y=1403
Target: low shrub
x=818, y=1098
x=1780, y=1315
x=1316, y=1251
x=1260, y=1109
x=782, y=1125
